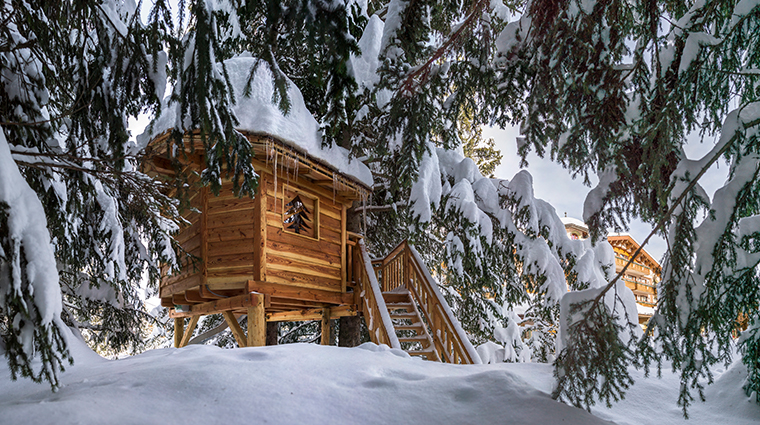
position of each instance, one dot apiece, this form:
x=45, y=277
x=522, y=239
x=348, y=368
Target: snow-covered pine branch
x=624, y=109
x=65, y=95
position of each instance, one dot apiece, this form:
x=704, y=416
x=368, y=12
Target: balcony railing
x=634, y=267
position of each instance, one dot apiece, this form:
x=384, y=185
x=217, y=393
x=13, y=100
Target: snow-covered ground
x=306, y=383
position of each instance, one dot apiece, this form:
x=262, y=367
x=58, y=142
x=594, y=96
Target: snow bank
x=290, y=384
x=307, y=383
x=257, y=114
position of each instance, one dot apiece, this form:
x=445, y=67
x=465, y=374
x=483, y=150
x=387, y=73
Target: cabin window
x=300, y=212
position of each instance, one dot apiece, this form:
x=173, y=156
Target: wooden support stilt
x=257, y=323
x=237, y=331
x=325, y=326
x=179, y=328
x=189, y=331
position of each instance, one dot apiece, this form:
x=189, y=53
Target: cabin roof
x=258, y=115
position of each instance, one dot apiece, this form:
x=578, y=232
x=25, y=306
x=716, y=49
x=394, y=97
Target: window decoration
x=300, y=212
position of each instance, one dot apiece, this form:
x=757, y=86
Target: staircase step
x=416, y=338
x=429, y=352
x=399, y=306
x=405, y=316
x=412, y=327
x=396, y=297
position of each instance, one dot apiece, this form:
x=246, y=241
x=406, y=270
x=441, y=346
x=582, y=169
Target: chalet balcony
x=637, y=285
x=634, y=268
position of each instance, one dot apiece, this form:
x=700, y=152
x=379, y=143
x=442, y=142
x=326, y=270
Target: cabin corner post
x=257, y=323
x=204, y=237
x=343, y=242
x=260, y=230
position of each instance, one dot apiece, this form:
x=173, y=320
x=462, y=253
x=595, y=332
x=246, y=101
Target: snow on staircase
x=410, y=329
x=403, y=307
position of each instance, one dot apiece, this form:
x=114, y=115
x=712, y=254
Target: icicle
x=335, y=177
x=364, y=214
x=275, y=180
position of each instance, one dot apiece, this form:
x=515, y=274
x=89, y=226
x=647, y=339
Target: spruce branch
x=420, y=74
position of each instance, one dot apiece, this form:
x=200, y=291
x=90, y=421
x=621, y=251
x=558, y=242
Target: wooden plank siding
x=246, y=247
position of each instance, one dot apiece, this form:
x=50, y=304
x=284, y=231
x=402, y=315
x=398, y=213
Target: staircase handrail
x=391, y=267
x=381, y=331
x=450, y=339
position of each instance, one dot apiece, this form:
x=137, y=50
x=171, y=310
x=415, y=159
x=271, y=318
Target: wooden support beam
x=225, y=304
x=299, y=293
x=179, y=328
x=311, y=314
x=325, y=340
x=189, y=331
x=237, y=331
x=257, y=325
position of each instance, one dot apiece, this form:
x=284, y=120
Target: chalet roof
x=258, y=115
x=574, y=221
x=612, y=238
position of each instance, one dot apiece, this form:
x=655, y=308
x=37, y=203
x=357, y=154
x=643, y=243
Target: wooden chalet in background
x=286, y=254
x=641, y=276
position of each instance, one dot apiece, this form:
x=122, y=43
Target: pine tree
x=65, y=95
x=492, y=244
x=483, y=152
x=598, y=103
x=584, y=95
x=564, y=71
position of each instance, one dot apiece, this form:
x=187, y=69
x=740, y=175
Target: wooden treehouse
x=286, y=256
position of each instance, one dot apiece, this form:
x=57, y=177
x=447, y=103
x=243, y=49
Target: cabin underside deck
x=397, y=297
x=281, y=302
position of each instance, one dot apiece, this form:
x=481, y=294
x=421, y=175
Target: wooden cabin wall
x=231, y=245
x=244, y=239
x=298, y=260
x=189, y=237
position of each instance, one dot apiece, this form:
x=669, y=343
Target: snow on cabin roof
x=257, y=114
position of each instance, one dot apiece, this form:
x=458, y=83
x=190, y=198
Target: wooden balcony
x=634, y=268
x=636, y=285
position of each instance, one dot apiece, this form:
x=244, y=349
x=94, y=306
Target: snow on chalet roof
x=257, y=114
x=574, y=221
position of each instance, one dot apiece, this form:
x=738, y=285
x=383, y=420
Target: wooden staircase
x=410, y=330
x=403, y=307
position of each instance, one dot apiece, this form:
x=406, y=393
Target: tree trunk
x=349, y=333
x=273, y=332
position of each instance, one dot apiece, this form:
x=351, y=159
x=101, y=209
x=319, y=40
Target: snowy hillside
x=300, y=383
